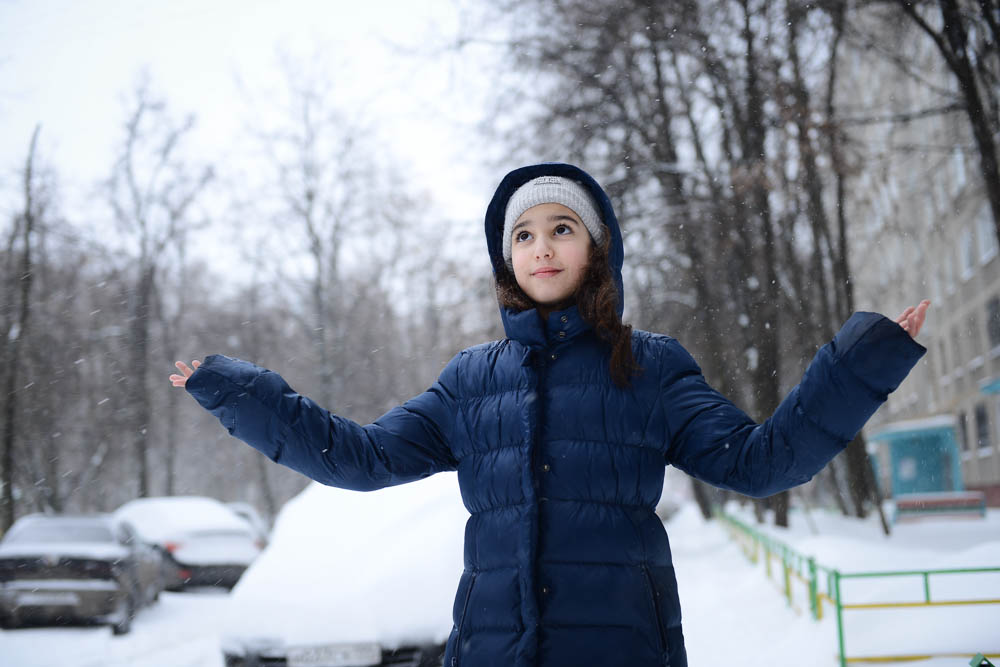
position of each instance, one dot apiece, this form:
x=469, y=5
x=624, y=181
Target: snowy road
x=733, y=614
x=181, y=630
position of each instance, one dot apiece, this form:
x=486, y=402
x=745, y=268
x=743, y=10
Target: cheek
x=519, y=263
x=581, y=259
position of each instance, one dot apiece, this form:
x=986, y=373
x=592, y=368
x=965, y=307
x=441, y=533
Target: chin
x=559, y=304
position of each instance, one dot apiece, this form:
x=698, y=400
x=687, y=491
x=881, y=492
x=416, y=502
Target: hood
x=108, y=551
x=517, y=178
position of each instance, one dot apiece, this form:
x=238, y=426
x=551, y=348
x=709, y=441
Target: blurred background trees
x=732, y=136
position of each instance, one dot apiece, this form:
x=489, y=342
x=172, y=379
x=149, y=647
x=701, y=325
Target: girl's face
x=550, y=248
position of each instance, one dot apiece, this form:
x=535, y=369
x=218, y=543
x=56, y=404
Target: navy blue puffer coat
x=566, y=563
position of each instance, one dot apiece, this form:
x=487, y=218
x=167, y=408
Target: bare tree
x=18, y=291
x=967, y=35
x=713, y=124
x=152, y=191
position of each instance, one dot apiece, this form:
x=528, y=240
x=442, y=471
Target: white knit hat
x=551, y=190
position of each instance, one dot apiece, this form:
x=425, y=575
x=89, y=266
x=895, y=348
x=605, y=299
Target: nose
x=543, y=249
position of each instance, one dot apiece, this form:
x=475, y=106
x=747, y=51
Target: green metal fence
x=822, y=586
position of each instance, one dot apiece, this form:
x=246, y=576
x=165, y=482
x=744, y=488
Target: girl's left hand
x=912, y=318
x=181, y=380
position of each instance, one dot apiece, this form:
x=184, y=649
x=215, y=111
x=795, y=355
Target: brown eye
x=522, y=236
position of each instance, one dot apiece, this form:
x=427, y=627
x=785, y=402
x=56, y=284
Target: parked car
x=76, y=568
x=352, y=578
x=249, y=514
x=202, y=541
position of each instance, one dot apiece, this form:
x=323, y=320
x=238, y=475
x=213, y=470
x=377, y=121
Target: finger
x=175, y=377
x=196, y=364
x=181, y=366
x=903, y=315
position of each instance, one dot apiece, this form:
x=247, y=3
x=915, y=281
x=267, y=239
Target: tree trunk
x=702, y=496
x=139, y=361
x=15, y=342
x=952, y=42
x=766, y=296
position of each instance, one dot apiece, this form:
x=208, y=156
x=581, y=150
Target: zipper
x=653, y=595
x=461, y=624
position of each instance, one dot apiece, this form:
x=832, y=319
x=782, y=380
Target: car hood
x=162, y=520
x=353, y=567
x=95, y=551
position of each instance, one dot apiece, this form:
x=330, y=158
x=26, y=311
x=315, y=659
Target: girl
x=560, y=434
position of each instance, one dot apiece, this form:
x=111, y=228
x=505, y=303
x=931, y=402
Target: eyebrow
x=557, y=217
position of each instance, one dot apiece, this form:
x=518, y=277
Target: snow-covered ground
x=180, y=630
x=733, y=614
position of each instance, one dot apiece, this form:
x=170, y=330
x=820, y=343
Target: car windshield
x=61, y=531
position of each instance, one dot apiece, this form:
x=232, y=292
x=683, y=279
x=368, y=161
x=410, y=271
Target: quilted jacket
x=566, y=563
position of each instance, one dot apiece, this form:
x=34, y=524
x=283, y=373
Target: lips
x=546, y=272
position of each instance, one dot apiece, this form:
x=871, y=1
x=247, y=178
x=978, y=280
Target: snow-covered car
x=353, y=578
x=77, y=568
x=249, y=514
x=202, y=541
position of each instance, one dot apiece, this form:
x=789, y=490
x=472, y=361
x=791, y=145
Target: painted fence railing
x=819, y=585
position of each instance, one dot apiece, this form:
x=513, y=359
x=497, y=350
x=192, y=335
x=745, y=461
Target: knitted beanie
x=551, y=190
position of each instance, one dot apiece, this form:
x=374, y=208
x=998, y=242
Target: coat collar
x=526, y=326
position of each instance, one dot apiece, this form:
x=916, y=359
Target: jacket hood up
x=498, y=206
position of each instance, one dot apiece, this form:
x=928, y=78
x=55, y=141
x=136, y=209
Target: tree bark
x=15, y=341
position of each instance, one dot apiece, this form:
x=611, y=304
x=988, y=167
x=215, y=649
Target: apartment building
x=921, y=227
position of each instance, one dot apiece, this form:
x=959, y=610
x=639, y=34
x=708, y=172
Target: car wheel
x=124, y=623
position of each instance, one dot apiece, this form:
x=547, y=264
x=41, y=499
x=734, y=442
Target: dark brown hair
x=597, y=301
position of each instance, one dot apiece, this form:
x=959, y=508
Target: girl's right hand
x=181, y=380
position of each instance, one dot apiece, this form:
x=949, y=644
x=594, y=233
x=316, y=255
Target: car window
x=125, y=534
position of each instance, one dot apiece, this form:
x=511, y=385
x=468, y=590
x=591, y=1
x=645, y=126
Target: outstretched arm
x=846, y=382
x=257, y=406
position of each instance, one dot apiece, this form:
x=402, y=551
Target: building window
x=948, y=266
x=993, y=321
x=957, y=359
x=958, y=160
x=943, y=368
x=942, y=196
x=982, y=427
x=966, y=253
x=987, y=235
x=963, y=432
x=975, y=347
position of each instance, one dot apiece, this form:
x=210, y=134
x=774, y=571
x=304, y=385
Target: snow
x=399, y=554
x=733, y=614
x=94, y=550
x=922, y=424
x=61, y=585
x=159, y=519
x=203, y=531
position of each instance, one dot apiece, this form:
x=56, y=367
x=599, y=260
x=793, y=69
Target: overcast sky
x=70, y=64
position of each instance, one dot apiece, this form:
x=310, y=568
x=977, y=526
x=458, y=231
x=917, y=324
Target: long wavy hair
x=597, y=301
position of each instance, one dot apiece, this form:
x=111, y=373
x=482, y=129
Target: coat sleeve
x=846, y=382
x=257, y=406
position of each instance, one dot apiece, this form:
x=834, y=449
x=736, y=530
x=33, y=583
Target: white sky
x=70, y=65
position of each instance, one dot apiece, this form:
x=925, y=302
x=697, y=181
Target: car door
x=144, y=567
